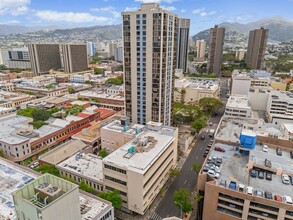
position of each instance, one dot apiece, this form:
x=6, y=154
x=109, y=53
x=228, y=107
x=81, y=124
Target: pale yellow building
x=190, y=90
x=279, y=85
x=139, y=169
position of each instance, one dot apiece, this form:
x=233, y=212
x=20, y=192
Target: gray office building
x=182, y=48
x=74, y=57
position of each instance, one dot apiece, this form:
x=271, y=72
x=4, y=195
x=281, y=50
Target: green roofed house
x=46, y=198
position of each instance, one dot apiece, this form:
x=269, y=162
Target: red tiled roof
x=83, y=115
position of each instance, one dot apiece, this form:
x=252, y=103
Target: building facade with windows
x=150, y=47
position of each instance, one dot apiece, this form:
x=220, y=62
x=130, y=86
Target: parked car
x=241, y=187
x=287, y=199
x=217, y=169
x=219, y=149
x=249, y=190
x=285, y=179
x=213, y=174
x=232, y=185
x=291, y=154
x=209, y=146
x=261, y=174
x=269, y=176
x=219, y=161
x=268, y=195
x=211, y=124
x=265, y=148
x=205, y=169
x=34, y=165
x=279, y=152
x=253, y=173
x=268, y=163
x=278, y=198
x=258, y=193
x=203, y=137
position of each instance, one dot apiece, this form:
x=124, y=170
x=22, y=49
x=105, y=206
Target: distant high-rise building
x=256, y=48
x=90, y=49
x=150, y=44
x=18, y=58
x=44, y=57
x=4, y=56
x=111, y=49
x=200, y=50
x=119, y=53
x=74, y=57
x=215, y=50
x=240, y=54
x=183, y=38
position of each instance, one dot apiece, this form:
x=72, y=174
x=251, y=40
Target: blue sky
x=203, y=13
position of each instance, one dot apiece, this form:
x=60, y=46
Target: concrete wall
x=258, y=101
x=240, y=87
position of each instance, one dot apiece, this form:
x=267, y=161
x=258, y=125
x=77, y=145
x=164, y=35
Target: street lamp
x=180, y=208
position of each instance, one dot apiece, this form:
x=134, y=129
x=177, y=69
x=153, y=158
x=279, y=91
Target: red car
x=278, y=198
x=219, y=149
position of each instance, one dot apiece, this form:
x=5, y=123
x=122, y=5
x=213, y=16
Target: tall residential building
x=183, y=38
x=74, y=57
x=200, y=50
x=111, y=49
x=44, y=57
x=256, y=48
x=150, y=44
x=240, y=54
x=90, y=49
x=216, y=50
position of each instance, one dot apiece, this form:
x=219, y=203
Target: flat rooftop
x=91, y=206
x=10, y=126
x=87, y=165
x=200, y=84
x=230, y=128
x=12, y=178
x=62, y=152
x=238, y=102
x=234, y=168
x=141, y=161
x=94, y=132
x=101, y=95
x=118, y=127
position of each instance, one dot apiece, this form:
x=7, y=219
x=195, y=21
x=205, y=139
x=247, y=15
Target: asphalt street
x=188, y=177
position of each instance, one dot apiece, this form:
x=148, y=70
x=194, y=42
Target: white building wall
x=240, y=86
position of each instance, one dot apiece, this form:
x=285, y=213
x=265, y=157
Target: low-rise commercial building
x=13, y=100
x=42, y=91
x=238, y=106
x=119, y=132
x=192, y=90
x=6, y=111
x=139, y=168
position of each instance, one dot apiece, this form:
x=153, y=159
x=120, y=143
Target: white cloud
x=183, y=10
x=105, y=9
x=168, y=8
x=202, y=12
x=70, y=17
x=14, y=7
x=156, y=1
x=131, y=9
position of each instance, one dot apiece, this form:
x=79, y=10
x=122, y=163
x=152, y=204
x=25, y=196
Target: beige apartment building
x=74, y=57
x=256, y=48
x=239, y=55
x=139, y=169
x=44, y=57
x=217, y=35
x=150, y=47
x=200, y=50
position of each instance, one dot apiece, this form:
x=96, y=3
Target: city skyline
x=203, y=14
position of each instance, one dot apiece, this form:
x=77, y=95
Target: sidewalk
x=152, y=209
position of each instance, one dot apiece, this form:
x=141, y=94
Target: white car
x=287, y=199
x=265, y=148
x=249, y=190
x=213, y=174
x=285, y=179
x=216, y=169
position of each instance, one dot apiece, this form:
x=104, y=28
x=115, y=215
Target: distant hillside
x=279, y=29
x=18, y=29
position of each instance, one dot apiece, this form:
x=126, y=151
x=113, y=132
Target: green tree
x=27, y=112
x=85, y=187
x=173, y=172
x=74, y=110
x=162, y=191
x=119, y=68
x=37, y=124
x=198, y=197
x=178, y=119
x=1, y=153
x=210, y=104
x=49, y=86
x=103, y=153
x=67, y=178
x=99, y=71
x=88, y=82
x=40, y=115
x=113, y=197
x=198, y=124
x=182, y=198
x=115, y=81
x=3, y=67
x=196, y=167
x=53, y=110
x=71, y=90
x=45, y=168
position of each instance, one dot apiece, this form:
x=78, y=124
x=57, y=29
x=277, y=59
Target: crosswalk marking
x=155, y=216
